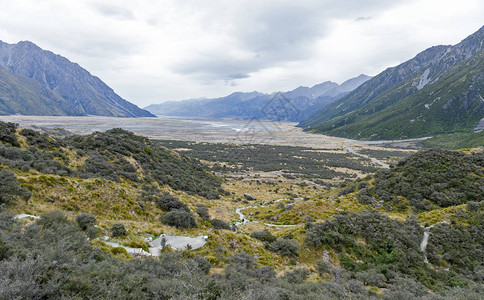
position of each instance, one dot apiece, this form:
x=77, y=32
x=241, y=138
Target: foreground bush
x=52, y=259
x=10, y=189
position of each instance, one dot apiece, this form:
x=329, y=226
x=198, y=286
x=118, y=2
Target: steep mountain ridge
x=372, y=108
x=85, y=93
x=295, y=105
x=34, y=97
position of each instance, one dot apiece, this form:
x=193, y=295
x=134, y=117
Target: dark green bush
x=179, y=218
x=220, y=224
x=168, y=202
x=202, y=211
x=203, y=264
x=264, y=236
x=118, y=230
x=7, y=133
x=297, y=276
x=10, y=188
x=285, y=247
x=85, y=220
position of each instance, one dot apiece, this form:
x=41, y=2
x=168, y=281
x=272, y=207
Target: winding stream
x=425, y=239
x=423, y=244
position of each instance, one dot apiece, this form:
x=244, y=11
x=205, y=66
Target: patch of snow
x=424, y=79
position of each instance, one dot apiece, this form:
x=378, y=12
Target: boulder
x=249, y=197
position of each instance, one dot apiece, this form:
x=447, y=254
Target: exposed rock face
x=64, y=84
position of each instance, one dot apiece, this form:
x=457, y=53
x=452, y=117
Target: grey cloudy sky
x=150, y=51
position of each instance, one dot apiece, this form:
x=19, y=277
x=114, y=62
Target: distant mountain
x=441, y=90
x=43, y=83
x=295, y=105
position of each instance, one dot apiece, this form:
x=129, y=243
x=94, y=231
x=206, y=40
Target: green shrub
x=323, y=267
x=49, y=219
x=169, y=202
x=203, y=264
x=93, y=232
x=202, y=211
x=297, y=276
x=118, y=230
x=10, y=188
x=264, y=236
x=285, y=247
x=7, y=133
x=85, y=220
x=119, y=250
x=179, y=218
x=220, y=224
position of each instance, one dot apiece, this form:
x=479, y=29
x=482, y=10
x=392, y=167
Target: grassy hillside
x=451, y=104
x=456, y=141
x=358, y=239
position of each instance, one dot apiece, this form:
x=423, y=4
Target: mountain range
x=34, y=81
x=438, y=91
x=295, y=105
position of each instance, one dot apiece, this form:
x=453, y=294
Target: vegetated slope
x=362, y=256
x=295, y=105
x=386, y=253
x=427, y=180
x=456, y=141
x=438, y=91
x=113, y=155
x=379, y=250
x=84, y=93
x=53, y=259
x=34, y=97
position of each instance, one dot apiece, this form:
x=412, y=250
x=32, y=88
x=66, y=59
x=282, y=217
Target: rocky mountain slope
x=438, y=91
x=55, y=77
x=35, y=98
x=295, y=105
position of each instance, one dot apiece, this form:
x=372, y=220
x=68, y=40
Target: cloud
x=114, y=11
x=363, y=19
x=150, y=51
x=268, y=33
